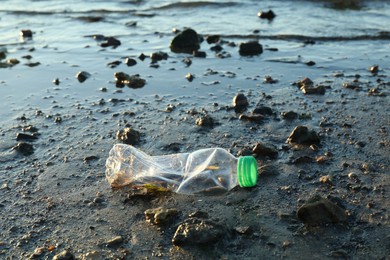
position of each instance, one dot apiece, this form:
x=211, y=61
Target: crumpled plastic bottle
x=186, y=173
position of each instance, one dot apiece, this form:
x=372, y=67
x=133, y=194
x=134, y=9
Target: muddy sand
x=323, y=197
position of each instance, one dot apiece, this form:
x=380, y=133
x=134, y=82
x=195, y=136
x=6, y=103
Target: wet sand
x=55, y=196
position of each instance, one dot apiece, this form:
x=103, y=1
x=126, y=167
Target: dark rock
x=133, y=81
x=130, y=62
x=3, y=55
x=190, y=77
x=199, y=54
x=216, y=48
x=64, y=255
x=186, y=41
x=252, y=118
x=82, y=76
x=56, y=81
x=306, y=82
x=131, y=24
x=310, y=63
x=270, y=80
x=270, y=15
x=111, y=41
x=352, y=85
x=197, y=231
x=91, y=19
x=212, y=39
x=318, y=90
x=302, y=135
x=24, y=148
x=240, y=102
x=290, y=115
x=261, y=149
x=187, y=61
x=25, y=137
x=262, y=110
x=160, y=216
x=318, y=210
x=90, y=158
x=142, y=57
x=250, y=48
x=157, y=56
x=26, y=33
x=32, y=64
x=114, y=64
x=206, y=121
x=128, y=136
x=374, y=69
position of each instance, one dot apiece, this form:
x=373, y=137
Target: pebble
x=250, y=48
x=186, y=41
x=93, y=255
x=240, y=102
x=302, y=135
x=197, y=231
x=111, y=41
x=252, y=118
x=206, y=121
x=128, y=136
x=64, y=255
x=26, y=33
x=132, y=81
x=199, y=54
x=190, y=77
x=262, y=110
x=160, y=216
x=115, y=241
x=290, y=115
x=130, y=62
x=82, y=76
x=212, y=39
x=261, y=149
x=270, y=15
x=25, y=137
x=318, y=210
x=158, y=56
x=24, y=148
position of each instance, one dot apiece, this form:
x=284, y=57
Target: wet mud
x=320, y=134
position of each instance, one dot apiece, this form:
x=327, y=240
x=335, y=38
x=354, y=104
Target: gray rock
x=24, y=148
x=206, y=121
x=302, y=135
x=115, y=241
x=64, y=255
x=318, y=210
x=186, y=41
x=197, y=231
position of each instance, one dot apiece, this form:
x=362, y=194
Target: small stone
x=270, y=80
x=270, y=15
x=56, y=81
x=131, y=24
x=216, y=48
x=327, y=179
x=64, y=255
x=250, y=48
x=240, y=102
x=243, y=229
x=262, y=110
x=212, y=39
x=93, y=255
x=26, y=33
x=158, y=56
x=261, y=149
x=197, y=231
x=160, y=216
x=111, y=41
x=82, y=76
x=310, y=63
x=187, y=61
x=186, y=41
x=130, y=62
x=252, y=118
x=114, y=64
x=318, y=210
x=90, y=158
x=374, y=69
x=24, y=148
x=133, y=81
x=199, y=54
x=25, y=137
x=206, y=121
x=290, y=115
x=128, y=136
x=115, y=241
x=302, y=135
x=190, y=77
x=318, y=90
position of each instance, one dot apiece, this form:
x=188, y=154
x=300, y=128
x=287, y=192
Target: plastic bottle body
x=186, y=173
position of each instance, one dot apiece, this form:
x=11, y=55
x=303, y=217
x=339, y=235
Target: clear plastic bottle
x=187, y=173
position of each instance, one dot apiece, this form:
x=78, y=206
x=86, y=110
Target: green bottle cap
x=247, y=171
